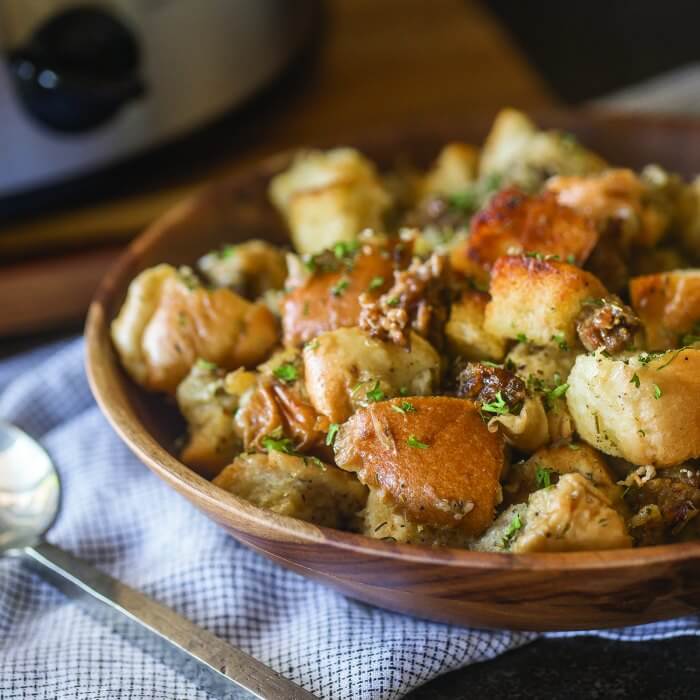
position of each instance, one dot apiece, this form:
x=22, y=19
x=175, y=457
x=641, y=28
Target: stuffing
x=299, y=487
x=538, y=300
x=329, y=197
x=347, y=369
x=465, y=333
x=668, y=304
x=432, y=457
x=644, y=408
x=169, y=320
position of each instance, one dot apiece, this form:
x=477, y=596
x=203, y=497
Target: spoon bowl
x=30, y=489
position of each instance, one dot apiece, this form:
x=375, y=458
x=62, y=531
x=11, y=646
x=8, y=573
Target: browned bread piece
x=465, y=332
x=330, y=300
x=538, y=299
x=300, y=487
x=515, y=223
x=432, y=457
x=168, y=321
x=668, y=303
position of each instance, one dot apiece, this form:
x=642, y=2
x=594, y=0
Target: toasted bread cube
x=539, y=299
x=300, y=487
x=619, y=195
x=347, y=368
x=251, y=268
x=524, y=155
x=644, y=408
x=669, y=305
x=330, y=300
x=208, y=409
x=168, y=321
x=514, y=223
x=382, y=521
x=465, y=332
x=329, y=197
x=432, y=456
x=573, y=516
x=453, y=171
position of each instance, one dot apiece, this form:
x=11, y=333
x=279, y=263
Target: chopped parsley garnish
x=571, y=259
x=413, y=441
x=345, y=249
x=316, y=462
x=543, y=478
x=635, y=380
x=466, y=201
x=375, y=283
x=657, y=391
x=312, y=345
x=206, y=365
x=340, y=286
x=392, y=301
x=287, y=372
x=332, y=432
x=278, y=444
x=404, y=407
x=403, y=391
x=557, y=393
x=573, y=446
x=497, y=406
x=560, y=340
x=521, y=338
x=375, y=393
x=488, y=363
x=513, y=527
x=226, y=252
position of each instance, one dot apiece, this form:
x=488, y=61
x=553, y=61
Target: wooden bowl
x=534, y=591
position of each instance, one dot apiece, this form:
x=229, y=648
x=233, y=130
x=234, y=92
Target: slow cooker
x=86, y=85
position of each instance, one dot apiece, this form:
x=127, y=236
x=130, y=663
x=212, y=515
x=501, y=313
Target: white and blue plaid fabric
x=119, y=516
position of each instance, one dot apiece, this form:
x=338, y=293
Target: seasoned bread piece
x=547, y=465
x=300, y=487
x=346, y=369
x=454, y=170
x=522, y=154
x=572, y=516
x=514, y=223
x=329, y=197
x=168, y=321
x=541, y=366
x=432, y=457
x=617, y=198
x=539, y=299
x=382, y=521
x=250, y=268
x=465, y=332
x=330, y=300
x=645, y=409
x=669, y=305
x=208, y=409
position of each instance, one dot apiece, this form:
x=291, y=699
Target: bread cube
x=465, y=332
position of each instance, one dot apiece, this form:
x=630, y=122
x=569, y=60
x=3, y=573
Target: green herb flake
x=635, y=380
x=557, y=393
x=375, y=393
x=466, y=201
x=515, y=525
x=403, y=391
x=206, y=365
x=498, y=406
x=228, y=251
x=340, y=286
x=278, y=444
x=657, y=391
x=413, y=441
x=521, y=338
x=312, y=345
x=345, y=249
x=404, y=407
x=287, y=372
x=332, y=432
x=375, y=283
x=392, y=301
x=573, y=446
x=571, y=259
x=543, y=478
x=560, y=340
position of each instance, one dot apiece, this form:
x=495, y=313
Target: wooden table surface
x=378, y=64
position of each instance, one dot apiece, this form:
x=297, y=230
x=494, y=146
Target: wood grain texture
x=534, y=591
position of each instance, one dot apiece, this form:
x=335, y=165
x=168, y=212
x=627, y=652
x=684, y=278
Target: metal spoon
x=30, y=492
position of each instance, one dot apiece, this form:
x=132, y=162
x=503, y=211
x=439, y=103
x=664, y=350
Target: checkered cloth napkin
x=119, y=516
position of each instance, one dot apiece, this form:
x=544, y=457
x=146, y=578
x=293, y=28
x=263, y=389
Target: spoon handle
x=211, y=663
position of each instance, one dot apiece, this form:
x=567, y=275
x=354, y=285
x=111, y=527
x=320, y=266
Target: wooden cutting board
x=389, y=63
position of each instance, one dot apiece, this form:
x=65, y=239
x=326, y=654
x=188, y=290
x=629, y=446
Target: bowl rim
x=104, y=376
